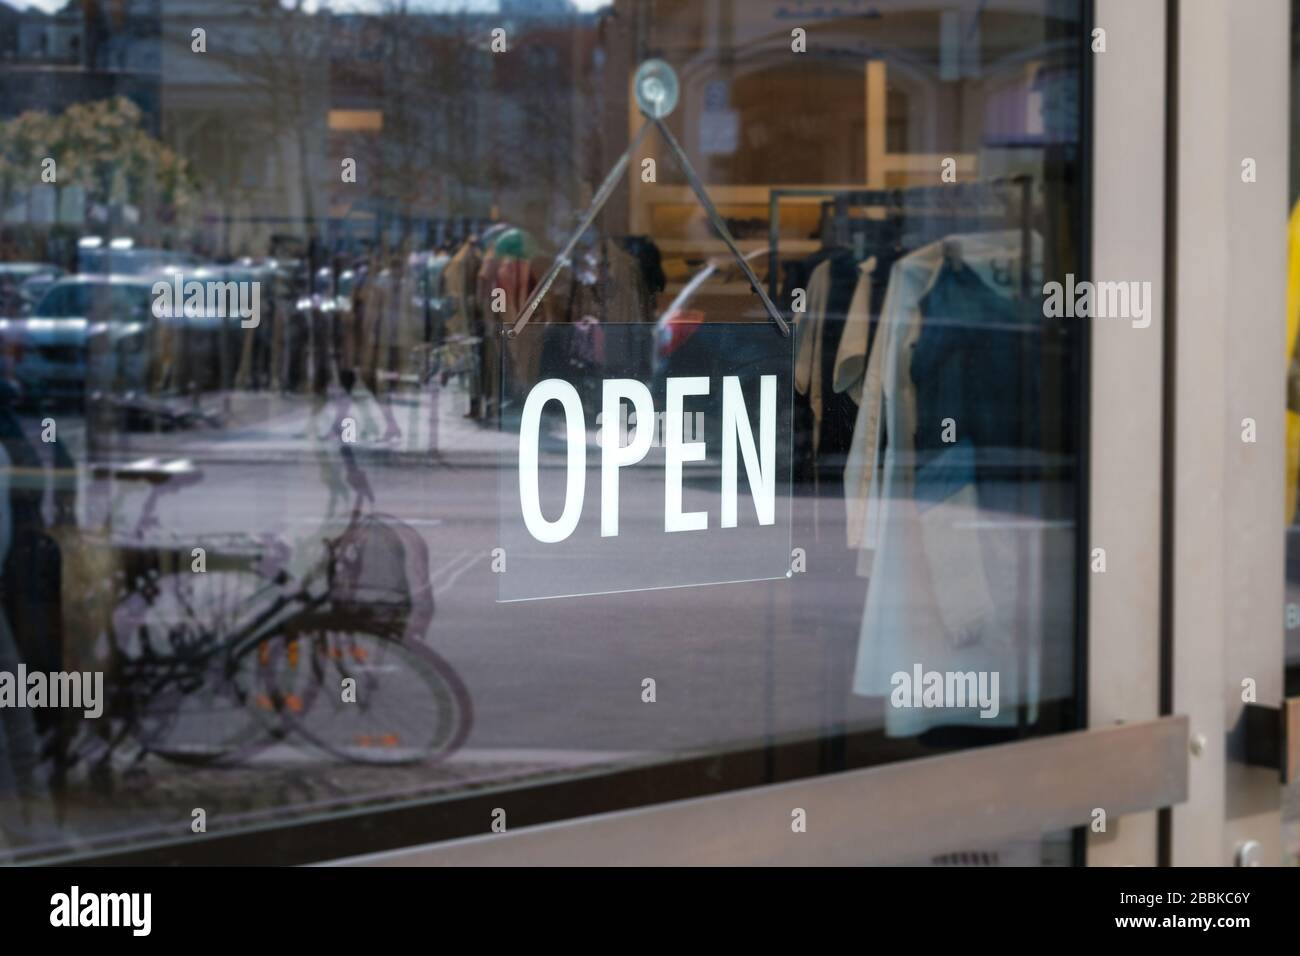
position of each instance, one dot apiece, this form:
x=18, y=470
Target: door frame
x=1226, y=360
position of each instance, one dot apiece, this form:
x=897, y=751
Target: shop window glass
x=262, y=422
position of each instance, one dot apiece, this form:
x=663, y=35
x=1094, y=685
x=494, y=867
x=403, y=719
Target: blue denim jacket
x=976, y=361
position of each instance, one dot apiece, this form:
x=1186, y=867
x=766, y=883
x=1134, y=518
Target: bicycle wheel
x=193, y=696
x=407, y=704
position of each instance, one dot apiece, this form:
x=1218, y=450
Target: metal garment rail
x=931, y=199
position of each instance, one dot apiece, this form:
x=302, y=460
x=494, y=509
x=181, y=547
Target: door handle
x=1273, y=737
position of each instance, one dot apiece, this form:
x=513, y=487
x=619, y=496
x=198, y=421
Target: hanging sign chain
x=656, y=94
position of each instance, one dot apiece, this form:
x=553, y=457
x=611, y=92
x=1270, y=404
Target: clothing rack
x=914, y=201
x=925, y=202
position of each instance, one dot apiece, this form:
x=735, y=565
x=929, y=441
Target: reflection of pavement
x=281, y=783
x=266, y=426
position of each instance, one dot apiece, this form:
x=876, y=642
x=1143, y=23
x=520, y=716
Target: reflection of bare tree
x=464, y=129
x=452, y=129
x=285, y=69
x=422, y=74
x=424, y=161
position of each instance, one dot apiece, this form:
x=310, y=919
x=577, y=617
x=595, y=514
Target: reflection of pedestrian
x=320, y=359
x=24, y=798
x=378, y=323
x=347, y=487
x=257, y=345
x=347, y=330
x=23, y=794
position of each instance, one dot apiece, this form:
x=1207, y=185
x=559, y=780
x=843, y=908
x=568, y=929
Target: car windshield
x=128, y=302
x=66, y=301
x=97, y=301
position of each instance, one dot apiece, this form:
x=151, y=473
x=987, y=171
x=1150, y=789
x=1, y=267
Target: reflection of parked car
x=23, y=283
x=702, y=333
x=674, y=353
x=121, y=257
x=198, y=349
x=88, y=333
x=689, y=307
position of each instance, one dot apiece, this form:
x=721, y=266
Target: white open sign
x=760, y=466
x=635, y=472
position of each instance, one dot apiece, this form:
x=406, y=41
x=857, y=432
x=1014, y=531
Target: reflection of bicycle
x=210, y=667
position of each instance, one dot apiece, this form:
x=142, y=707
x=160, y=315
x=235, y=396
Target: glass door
x=424, y=423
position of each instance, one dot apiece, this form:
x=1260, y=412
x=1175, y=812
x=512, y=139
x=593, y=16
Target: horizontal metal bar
x=890, y=814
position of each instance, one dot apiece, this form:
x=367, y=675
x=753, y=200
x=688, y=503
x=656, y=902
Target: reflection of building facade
x=445, y=130
x=80, y=53
x=440, y=127
x=249, y=115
